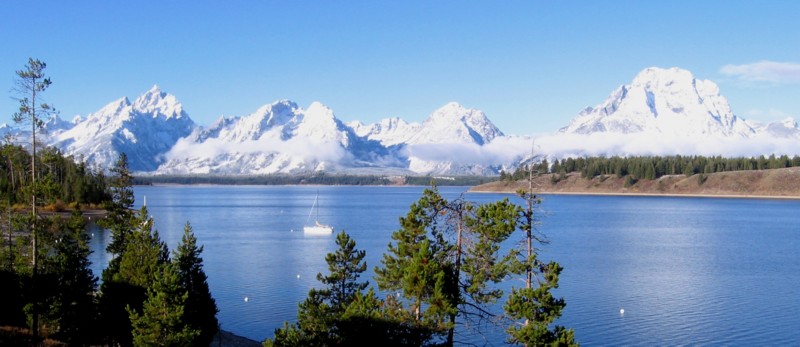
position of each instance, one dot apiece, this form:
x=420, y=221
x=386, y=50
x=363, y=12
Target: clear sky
x=530, y=65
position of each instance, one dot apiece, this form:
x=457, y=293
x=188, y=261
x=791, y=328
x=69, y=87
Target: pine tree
x=118, y=292
x=201, y=308
x=126, y=289
x=345, y=265
x=445, y=262
x=533, y=309
x=76, y=306
x=120, y=215
x=321, y=315
x=161, y=321
x=29, y=85
x=419, y=268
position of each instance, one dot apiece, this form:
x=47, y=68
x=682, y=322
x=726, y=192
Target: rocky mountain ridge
x=159, y=137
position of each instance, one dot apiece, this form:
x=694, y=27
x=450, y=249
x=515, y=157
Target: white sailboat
x=317, y=228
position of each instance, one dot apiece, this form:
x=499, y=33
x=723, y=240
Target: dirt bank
x=777, y=183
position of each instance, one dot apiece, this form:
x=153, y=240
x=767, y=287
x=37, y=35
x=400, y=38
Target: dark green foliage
x=62, y=178
x=345, y=265
x=654, y=167
x=701, y=178
x=75, y=306
x=127, y=278
x=489, y=226
x=444, y=262
x=120, y=216
x=630, y=181
x=200, y=308
x=418, y=266
x=162, y=320
x=327, y=316
x=368, y=321
x=533, y=309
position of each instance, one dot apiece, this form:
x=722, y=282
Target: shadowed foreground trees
x=146, y=297
x=341, y=314
x=441, y=275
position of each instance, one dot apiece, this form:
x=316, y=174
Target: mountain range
x=662, y=111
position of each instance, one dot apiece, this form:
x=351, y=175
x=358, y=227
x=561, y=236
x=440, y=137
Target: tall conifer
x=200, y=311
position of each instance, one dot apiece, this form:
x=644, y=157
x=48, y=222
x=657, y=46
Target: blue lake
x=686, y=271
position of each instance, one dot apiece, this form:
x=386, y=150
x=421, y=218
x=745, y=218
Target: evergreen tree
x=533, y=309
x=117, y=292
x=320, y=316
x=120, y=215
x=126, y=289
x=489, y=226
x=445, y=262
x=417, y=266
x=345, y=265
x=29, y=85
x=161, y=321
x=200, y=310
x=76, y=306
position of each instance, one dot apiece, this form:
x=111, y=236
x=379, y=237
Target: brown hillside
x=783, y=183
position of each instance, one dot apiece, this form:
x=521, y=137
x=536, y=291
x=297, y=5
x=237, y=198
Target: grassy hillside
x=761, y=183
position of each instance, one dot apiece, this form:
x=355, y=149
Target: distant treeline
x=318, y=179
x=654, y=167
x=59, y=177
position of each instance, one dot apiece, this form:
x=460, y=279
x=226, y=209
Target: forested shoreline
x=311, y=179
x=651, y=167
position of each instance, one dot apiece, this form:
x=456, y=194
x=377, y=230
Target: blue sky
x=530, y=65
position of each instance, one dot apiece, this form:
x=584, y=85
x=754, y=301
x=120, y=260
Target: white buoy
x=298, y=275
x=622, y=312
x=246, y=299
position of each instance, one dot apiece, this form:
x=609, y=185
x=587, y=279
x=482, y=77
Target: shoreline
x=779, y=184
x=667, y=195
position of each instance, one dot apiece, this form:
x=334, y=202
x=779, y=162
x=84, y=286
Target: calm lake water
x=687, y=271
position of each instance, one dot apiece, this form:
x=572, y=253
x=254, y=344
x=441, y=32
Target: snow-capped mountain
x=786, y=128
x=389, y=131
x=452, y=123
x=448, y=141
x=144, y=130
x=660, y=101
x=279, y=137
x=662, y=111
x=446, y=133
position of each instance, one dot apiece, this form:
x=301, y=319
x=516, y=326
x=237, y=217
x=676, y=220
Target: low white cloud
x=764, y=71
x=502, y=150
x=571, y=145
x=772, y=113
x=307, y=149
x=511, y=150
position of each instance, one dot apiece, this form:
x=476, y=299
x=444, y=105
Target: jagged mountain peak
x=277, y=112
x=318, y=111
x=665, y=75
x=453, y=123
x=662, y=101
x=159, y=104
x=453, y=111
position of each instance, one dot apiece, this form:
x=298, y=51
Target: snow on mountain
x=786, y=128
x=144, y=130
x=671, y=102
x=451, y=140
x=668, y=112
x=279, y=137
x=389, y=131
x=452, y=123
x=661, y=112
